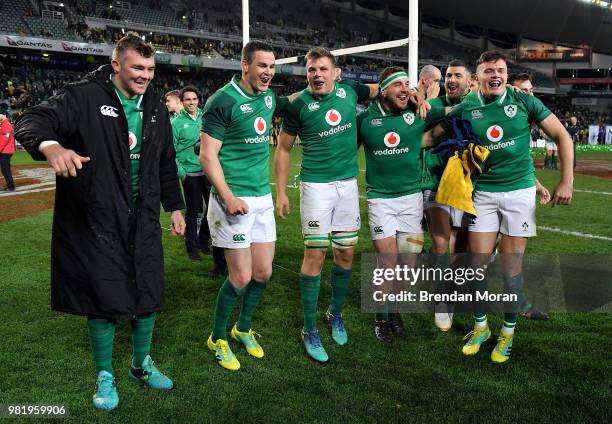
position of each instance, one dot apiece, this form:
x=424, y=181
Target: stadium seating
x=53, y=28
x=12, y=12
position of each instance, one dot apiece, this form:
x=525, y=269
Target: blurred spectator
x=7, y=150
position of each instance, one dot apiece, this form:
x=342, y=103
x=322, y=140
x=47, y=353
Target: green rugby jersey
x=186, y=133
x=327, y=128
x=504, y=127
x=132, y=108
x=433, y=165
x=392, y=145
x=242, y=122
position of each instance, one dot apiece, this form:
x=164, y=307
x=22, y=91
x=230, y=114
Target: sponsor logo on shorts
x=378, y=230
x=313, y=106
x=246, y=108
x=376, y=122
x=408, y=118
x=313, y=224
x=472, y=221
x=495, y=133
x=510, y=111
x=341, y=92
x=333, y=117
x=268, y=101
x=238, y=238
x=260, y=125
x=477, y=114
x=525, y=226
x=106, y=110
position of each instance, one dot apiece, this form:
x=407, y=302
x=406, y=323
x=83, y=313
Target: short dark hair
x=132, y=41
x=491, y=56
x=457, y=63
x=460, y=64
x=172, y=93
x=523, y=76
x=249, y=49
x=319, y=52
x=189, y=89
x=389, y=71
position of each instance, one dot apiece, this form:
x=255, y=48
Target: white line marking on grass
x=606, y=193
x=574, y=233
x=285, y=269
x=21, y=191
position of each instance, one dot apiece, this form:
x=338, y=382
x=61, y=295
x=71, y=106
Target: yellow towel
x=456, y=186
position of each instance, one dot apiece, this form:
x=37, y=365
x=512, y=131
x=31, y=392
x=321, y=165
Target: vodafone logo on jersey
x=132, y=140
x=392, y=139
x=495, y=133
x=333, y=117
x=260, y=125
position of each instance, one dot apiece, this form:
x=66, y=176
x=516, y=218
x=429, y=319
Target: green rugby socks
x=309, y=292
x=142, y=333
x=250, y=300
x=340, y=280
x=101, y=336
x=226, y=299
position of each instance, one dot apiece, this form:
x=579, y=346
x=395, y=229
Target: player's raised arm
x=282, y=160
x=556, y=131
x=209, y=158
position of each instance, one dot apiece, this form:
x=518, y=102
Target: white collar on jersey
x=240, y=91
x=498, y=101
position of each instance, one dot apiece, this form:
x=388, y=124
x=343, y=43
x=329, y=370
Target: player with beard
x=324, y=117
x=391, y=131
x=447, y=225
x=234, y=155
x=504, y=196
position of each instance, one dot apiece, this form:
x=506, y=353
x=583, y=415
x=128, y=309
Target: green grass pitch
x=560, y=370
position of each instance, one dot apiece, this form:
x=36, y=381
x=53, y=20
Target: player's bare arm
x=282, y=160
x=433, y=136
x=557, y=132
x=209, y=158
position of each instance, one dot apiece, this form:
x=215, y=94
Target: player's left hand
x=178, y=224
x=543, y=193
x=563, y=194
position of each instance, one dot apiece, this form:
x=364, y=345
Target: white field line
x=21, y=192
x=605, y=193
x=573, y=233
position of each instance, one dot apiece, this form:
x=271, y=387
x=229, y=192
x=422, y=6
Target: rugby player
x=429, y=82
x=504, y=196
x=234, y=155
x=474, y=84
x=391, y=131
x=173, y=103
x=324, y=117
x=447, y=225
